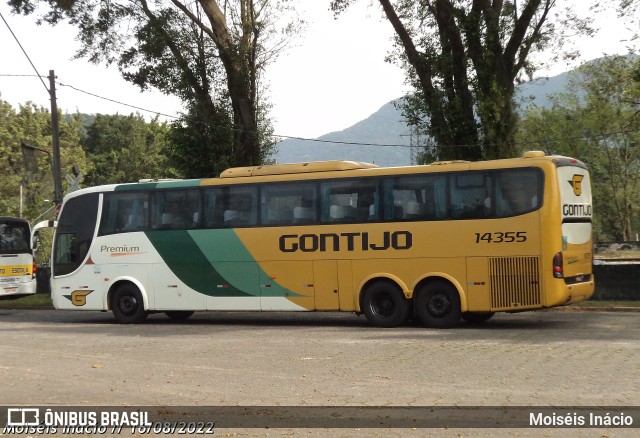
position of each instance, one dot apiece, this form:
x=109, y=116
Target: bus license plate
x=9, y=288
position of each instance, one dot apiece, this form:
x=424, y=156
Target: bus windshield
x=14, y=237
x=17, y=268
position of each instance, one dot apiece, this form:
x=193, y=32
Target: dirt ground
x=530, y=359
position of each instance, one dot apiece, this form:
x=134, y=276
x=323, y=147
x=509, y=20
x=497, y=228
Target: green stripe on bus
x=226, y=251
x=215, y=263
x=185, y=259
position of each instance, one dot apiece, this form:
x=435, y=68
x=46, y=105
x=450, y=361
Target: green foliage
x=463, y=58
x=210, y=55
x=126, y=149
x=32, y=124
x=597, y=121
x=199, y=148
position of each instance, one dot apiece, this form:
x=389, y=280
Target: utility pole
x=55, y=135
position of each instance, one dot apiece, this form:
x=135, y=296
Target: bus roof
x=328, y=169
x=13, y=219
x=285, y=169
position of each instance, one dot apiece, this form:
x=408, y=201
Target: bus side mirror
x=35, y=240
x=35, y=231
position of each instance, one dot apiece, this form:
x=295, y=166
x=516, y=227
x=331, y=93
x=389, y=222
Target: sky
x=333, y=77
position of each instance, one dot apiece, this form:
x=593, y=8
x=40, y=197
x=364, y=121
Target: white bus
x=437, y=243
x=17, y=268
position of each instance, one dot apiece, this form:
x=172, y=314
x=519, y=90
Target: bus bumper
x=11, y=291
x=575, y=293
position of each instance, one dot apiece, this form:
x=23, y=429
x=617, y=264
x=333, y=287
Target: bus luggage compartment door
x=325, y=277
x=478, y=297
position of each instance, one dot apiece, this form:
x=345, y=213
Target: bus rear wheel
x=438, y=305
x=384, y=305
x=179, y=315
x=127, y=305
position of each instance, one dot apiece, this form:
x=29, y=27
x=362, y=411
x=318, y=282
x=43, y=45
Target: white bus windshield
x=14, y=237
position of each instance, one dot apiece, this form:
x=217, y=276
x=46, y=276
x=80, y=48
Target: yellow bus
x=438, y=243
x=17, y=267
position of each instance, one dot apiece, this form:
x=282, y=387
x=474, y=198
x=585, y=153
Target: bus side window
x=288, y=204
x=124, y=212
x=349, y=201
x=240, y=206
x=517, y=191
x=213, y=208
x=469, y=193
x=416, y=197
x=176, y=209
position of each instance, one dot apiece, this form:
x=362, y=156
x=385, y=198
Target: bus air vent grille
x=515, y=282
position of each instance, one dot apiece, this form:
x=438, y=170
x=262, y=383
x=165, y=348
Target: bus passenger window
x=239, y=206
x=124, y=212
x=349, y=201
x=176, y=209
x=416, y=197
x=288, y=204
x=469, y=193
x=517, y=191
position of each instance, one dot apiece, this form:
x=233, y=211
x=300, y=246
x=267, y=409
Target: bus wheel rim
x=128, y=304
x=383, y=305
x=439, y=305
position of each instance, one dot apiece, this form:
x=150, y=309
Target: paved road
x=291, y=359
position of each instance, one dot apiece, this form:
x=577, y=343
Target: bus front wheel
x=127, y=305
x=384, y=305
x=438, y=305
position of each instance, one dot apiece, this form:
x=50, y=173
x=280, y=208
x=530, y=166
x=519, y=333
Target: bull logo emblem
x=576, y=184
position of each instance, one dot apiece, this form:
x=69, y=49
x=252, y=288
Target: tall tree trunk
x=238, y=58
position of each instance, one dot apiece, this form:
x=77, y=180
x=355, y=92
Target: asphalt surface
x=549, y=358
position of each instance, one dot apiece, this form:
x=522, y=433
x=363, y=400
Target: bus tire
x=179, y=315
x=438, y=305
x=127, y=304
x=384, y=305
x=477, y=317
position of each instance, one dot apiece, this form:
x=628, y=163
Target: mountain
x=386, y=127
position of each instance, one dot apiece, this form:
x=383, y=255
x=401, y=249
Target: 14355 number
x=502, y=237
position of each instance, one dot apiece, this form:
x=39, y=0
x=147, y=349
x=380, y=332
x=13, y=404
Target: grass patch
x=36, y=300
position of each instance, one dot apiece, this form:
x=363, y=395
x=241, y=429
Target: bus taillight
x=33, y=272
x=558, y=271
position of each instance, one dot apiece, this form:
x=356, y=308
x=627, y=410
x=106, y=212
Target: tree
x=598, y=121
x=629, y=11
x=126, y=149
x=196, y=50
x=463, y=58
x=32, y=124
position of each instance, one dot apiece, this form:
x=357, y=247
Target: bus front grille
x=515, y=282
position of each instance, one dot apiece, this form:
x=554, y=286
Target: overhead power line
x=25, y=53
x=116, y=101
x=289, y=137
x=544, y=142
